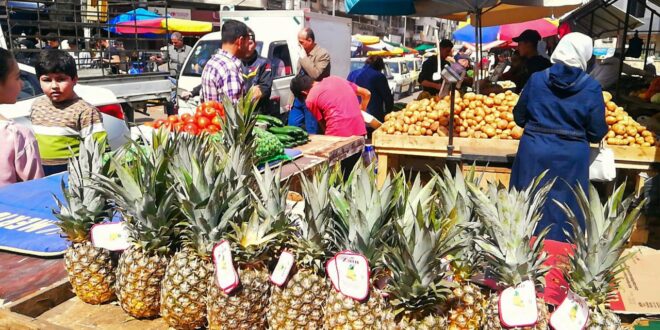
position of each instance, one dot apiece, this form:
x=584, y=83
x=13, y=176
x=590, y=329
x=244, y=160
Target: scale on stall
x=452, y=75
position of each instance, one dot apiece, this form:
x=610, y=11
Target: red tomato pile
x=207, y=119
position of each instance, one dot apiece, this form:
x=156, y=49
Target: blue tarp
x=27, y=223
x=136, y=15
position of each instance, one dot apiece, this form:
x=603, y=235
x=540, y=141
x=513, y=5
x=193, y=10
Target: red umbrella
x=545, y=27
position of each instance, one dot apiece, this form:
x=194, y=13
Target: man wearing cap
x=430, y=67
x=533, y=62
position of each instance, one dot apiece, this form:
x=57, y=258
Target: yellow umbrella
x=506, y=14
x=186, y=26
x=367, y=40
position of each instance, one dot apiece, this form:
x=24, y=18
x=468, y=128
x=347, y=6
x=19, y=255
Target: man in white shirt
x=83, y=58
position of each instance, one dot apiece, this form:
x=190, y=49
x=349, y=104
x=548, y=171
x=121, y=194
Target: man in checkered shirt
x=222, y=73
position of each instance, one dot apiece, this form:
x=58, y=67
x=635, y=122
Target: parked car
x=102, y=98
x=415, y=67
x=401, y=73
x=358, y=63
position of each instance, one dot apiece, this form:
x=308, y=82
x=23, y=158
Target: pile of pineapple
x=424, y=242
x=475, y=116
x=623, y=130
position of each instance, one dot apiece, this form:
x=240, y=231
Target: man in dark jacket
x=430, y=67
x=258, y=77
x=372, y=78
x=533, y=62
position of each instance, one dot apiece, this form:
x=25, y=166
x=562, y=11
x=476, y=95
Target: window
x=200, y=55
x=31, y=87
x=404, y=68
x=280, y=59
x=411, y=65
x=356, y=65
x=394, y=67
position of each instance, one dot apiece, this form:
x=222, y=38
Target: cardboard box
x=639, y=292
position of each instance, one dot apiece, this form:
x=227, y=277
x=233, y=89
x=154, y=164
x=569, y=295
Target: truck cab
x=276, y=32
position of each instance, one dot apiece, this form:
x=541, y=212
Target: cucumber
x=285, y=138
x=270, y=119
x=289, y=130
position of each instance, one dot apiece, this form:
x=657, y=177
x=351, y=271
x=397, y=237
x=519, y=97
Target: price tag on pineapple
x=110, y=236
x=282, y=269
x=225, y=273
x=331, y=270
x=572, y=313
x=352, y=274
x=518, y=306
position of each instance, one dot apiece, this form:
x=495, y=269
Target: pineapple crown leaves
x=145, y=194
x=238, y=126
x=83, y=206
x=363, y=213
x=418, y=283
x=205, y=195
x=454, y=195
x=598, y=247
x=268, y=225
x=510, y=218
x=313, y=244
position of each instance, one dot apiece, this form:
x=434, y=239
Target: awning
x=607, y=20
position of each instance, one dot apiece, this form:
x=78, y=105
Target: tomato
x=199, y=108
x=191, y=129
x=191, y=120
x=211, y=104
x=209, y=112
x=213, y=129
x=178, y=126
x=159, y=123
x=173, y=119
x=185, y=117
x=221, y=111
x=217, y=121
x=149, y=124
x=202, y=122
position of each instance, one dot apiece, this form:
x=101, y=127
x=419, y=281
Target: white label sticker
x=282, y=269
x=110, y=236
x=352, y=274
x=572, y=313
x=225, y=273
x=518, y=306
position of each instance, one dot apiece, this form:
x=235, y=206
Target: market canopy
x=493, y=12
x=466, y=32
x=600, y=20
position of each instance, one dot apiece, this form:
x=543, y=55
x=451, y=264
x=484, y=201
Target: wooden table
x=32, y=286
x=392, y=151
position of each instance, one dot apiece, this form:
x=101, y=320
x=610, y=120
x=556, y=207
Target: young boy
x=61, y=119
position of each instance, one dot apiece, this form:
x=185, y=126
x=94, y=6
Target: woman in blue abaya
x=562, y=111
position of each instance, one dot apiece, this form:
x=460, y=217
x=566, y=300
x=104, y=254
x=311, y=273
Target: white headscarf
x=574, y=49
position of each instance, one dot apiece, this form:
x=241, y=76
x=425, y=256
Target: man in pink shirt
x=333, y=102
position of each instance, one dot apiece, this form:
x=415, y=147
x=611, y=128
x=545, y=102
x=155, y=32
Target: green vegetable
x=289, y=130
x=268, y=145
x=271, y=120
x=285, y=138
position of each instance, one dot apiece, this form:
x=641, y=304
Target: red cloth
x=563, y=29
x=333, y=100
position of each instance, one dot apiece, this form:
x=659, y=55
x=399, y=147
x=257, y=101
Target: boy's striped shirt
x=63, y=125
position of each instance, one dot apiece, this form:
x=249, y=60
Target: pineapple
x=467, y=300
x=510, y=218
x=598, y=248
x=208, y=203
x=145, y=197
x=254, y=243
x=417, y=287
x=299, y=303
x=363, y=211
x=90, y=270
